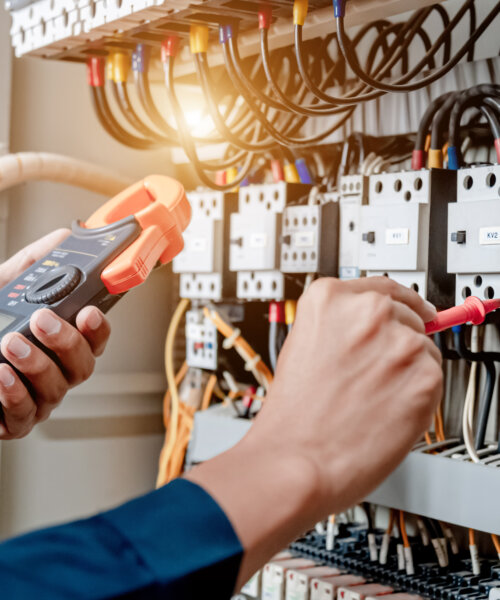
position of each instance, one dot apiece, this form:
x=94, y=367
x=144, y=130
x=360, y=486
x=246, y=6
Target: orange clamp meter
x=113, y=251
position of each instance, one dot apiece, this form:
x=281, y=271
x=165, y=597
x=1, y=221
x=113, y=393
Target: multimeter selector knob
x=54, y=285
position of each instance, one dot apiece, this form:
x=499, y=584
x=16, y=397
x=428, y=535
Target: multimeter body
x=66, y=279
x=101, y=260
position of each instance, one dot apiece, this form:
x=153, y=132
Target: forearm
x=268, y=494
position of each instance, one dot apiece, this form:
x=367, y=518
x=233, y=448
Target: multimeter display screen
x=5, y=321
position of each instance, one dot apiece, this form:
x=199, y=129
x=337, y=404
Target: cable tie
x=229, y=342
x=252, y=363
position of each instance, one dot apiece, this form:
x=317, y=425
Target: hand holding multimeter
x=113, y=251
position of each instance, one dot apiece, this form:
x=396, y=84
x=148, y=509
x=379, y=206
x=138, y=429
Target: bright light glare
x=199, y=123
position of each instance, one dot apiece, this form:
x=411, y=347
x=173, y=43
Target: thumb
x=15, y=265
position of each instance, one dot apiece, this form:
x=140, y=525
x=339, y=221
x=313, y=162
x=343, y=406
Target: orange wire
x=402, y=527
x=227, y=331
x=427, y=143
x=181, y=373
x=472, y=537
x=209, y=390
x=390, y=526
x=428, y=439
x=496, y=542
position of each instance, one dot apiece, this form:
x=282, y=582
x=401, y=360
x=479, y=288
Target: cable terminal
x=339, y=8
x=140, y=58
x=198, y=38
x=417, y=160
x=300, y=11
x=121, y=66
x=95, y=71
x=452, y=158
x=303, y=171
x=290, y=311
x=291, y=173
x=435, y=159
x=265, y=16
x=276, y=312
x=170, y=47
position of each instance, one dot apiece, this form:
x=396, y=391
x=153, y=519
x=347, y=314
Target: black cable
x=470, y=97
x=446, y=352
x=311, y=110
x=353, y=63
x=187, y=141
x=397, y=49
x=426, y=120
x=492, y=120
x=111, y=126
x=200, y=61
x=123, y=101
x=440, y=119
x=282, y=139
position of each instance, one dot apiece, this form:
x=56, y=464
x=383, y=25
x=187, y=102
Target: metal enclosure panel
x=481, y=223
x=201, y=341
x=400, y=237
x=215, y=430
x=254, y=240
x=450, y=490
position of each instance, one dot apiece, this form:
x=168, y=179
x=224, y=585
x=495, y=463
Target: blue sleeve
x=174, y=543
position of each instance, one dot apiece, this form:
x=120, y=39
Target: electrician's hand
x=75, y=347
x=356, y=385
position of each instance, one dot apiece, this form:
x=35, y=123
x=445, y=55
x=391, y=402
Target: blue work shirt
x=175, y=542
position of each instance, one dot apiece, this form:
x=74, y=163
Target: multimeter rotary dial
x=54, y=285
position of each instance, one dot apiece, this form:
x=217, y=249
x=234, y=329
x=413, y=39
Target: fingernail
x=6, y=377
x=430, y=306
x=18, y=348
x=94, y=319
x=48, y=323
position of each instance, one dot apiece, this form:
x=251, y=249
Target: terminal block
x=309, y=240
x=201, y=341
x=353, y=195
x=474, y=233
x=255, y=247
x=204, y=263
x=402, y=231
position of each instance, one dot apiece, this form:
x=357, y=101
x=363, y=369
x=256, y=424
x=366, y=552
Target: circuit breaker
x=201, y=341
x=255, y=237
x=353, y=194
x=474, y=233
x=309, y=240
x=203, y=264
x=401, y=231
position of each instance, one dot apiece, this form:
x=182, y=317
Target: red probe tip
x=473, y=310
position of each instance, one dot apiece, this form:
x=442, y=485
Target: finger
x=405, y=315
x=383, y=285
x=18, y=263
x=433, y=350
x=72, y=349
x=95, y=327
x=19, y=410
x=49, y=384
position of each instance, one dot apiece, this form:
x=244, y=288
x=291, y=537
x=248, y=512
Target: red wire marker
x=472, y=311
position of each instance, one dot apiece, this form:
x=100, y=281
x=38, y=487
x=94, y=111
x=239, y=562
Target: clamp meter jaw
x=112, y=252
